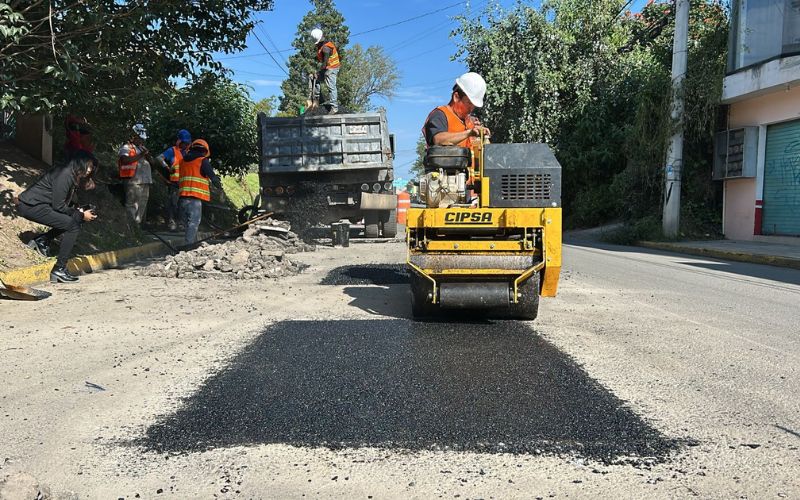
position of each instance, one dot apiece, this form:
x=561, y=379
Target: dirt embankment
x=18, y=171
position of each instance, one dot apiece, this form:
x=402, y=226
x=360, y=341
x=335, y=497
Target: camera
x=90, y=207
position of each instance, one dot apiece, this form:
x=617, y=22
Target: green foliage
x=267, y=105
x=241, y=191
x=595, y=84
x=215, y=109
x=304, y=61
x=418, y=168
x=368, y=73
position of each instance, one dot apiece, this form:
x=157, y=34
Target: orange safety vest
x=454, y=124
x=333, y=60
x=192, y=183
x=126, y=171
x=175, y=168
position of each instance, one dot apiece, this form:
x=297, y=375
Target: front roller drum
x=493, y=299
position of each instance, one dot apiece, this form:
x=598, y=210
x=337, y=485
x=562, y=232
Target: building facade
x=758, y=156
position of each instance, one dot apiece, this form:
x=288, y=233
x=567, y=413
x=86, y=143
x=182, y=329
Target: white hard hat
x=139, y=130
x=316, y=34
x=474, y=86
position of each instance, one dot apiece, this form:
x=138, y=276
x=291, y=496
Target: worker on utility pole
x=328, y=59
x=451, y=125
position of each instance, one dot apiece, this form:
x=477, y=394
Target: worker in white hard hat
x=328, y=70
x=134, y=169
x=451, y=125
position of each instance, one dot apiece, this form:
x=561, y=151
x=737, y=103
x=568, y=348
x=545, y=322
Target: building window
x=762, y=30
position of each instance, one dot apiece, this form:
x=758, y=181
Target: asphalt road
x=650, y=375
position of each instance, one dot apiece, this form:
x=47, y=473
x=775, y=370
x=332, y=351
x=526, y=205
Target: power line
x=407, y=20
x=270, y=53
x=271, y=42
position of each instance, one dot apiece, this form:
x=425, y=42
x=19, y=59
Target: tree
x=112, y=56
x=594, y=84
x=267, y=105
x=215, y=109
x=304, y=63
x=418, y=168
x=368, y=73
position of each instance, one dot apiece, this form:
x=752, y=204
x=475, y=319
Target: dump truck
x=330, y=167
x=489, y=236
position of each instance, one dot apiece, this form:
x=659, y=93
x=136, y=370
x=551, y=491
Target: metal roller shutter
x=782, y=180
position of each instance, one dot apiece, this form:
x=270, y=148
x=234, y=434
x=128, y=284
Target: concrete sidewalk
x=756, y=252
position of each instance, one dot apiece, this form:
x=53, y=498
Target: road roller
x=486, y=236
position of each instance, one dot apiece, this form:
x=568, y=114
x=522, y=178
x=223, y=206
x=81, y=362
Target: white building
x=758, y=158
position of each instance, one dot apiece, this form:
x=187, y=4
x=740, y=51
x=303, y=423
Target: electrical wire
x=397, y=23
x=270, y=53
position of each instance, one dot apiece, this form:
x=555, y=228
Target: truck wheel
x=528, y=306
x=389, y=223
x=421, y=306
x=371, y=224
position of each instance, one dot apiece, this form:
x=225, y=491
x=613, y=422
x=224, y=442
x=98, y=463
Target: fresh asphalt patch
x=368, y=274
x=396, y=384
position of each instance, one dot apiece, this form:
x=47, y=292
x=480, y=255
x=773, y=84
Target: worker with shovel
x=328, y=59
x=47, y=202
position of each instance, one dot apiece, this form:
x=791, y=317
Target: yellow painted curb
x=84, y=264
x=770, y=260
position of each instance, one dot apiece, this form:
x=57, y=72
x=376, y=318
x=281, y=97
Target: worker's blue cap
x=184, y=135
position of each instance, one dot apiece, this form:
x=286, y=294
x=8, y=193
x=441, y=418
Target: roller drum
x=474, y=295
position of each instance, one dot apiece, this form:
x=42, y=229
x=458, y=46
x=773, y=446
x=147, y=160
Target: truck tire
x=389, y=223
x=528, y=306
x=371, y=227
x=421, y=307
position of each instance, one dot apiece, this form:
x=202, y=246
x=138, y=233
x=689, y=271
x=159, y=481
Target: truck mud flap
x=375, y=201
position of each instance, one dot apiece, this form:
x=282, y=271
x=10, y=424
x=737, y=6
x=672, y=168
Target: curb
x=84, y=264
x=770, y=260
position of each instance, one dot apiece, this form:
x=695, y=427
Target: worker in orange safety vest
x=329, y=63
x=451, y=125
x=170, y=161
x=194, y=186
x=133, y=161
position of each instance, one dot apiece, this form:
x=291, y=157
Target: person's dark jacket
x=54, y=188
x=206, y=169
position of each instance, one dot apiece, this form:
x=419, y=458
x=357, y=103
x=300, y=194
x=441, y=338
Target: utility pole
x=672, y=189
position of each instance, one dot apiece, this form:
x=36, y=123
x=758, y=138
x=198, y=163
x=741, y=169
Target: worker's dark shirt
x=326, y=54
x=54, y=188
x=206, y=170
x=437, y=122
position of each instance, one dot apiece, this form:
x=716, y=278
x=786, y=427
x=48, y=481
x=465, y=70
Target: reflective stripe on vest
x=454, y=124
x=126, y=171
x=175, y=168
x=192, y=183
x=333, y=60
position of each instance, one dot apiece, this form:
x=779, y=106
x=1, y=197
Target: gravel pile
x=261, y=252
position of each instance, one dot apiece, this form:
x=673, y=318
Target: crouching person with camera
x=47, y=202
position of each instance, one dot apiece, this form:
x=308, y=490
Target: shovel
x=22, y=292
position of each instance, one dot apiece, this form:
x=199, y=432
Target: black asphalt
x=367, y=274
x=397, y=384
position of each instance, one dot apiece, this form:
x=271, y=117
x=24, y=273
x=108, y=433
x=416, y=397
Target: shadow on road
x=489, y=388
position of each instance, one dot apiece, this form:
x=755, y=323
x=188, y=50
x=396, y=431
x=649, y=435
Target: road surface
x=650, y=375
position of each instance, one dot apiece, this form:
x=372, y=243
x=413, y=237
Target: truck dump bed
x=322, y=143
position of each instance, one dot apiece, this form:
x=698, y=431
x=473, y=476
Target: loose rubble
x=261, y=252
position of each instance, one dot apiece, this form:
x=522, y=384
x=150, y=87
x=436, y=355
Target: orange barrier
x=403, y=204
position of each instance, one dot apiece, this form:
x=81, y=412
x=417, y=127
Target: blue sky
x=422, y=49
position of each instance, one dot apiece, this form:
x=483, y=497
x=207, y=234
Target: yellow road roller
x=488, y=239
